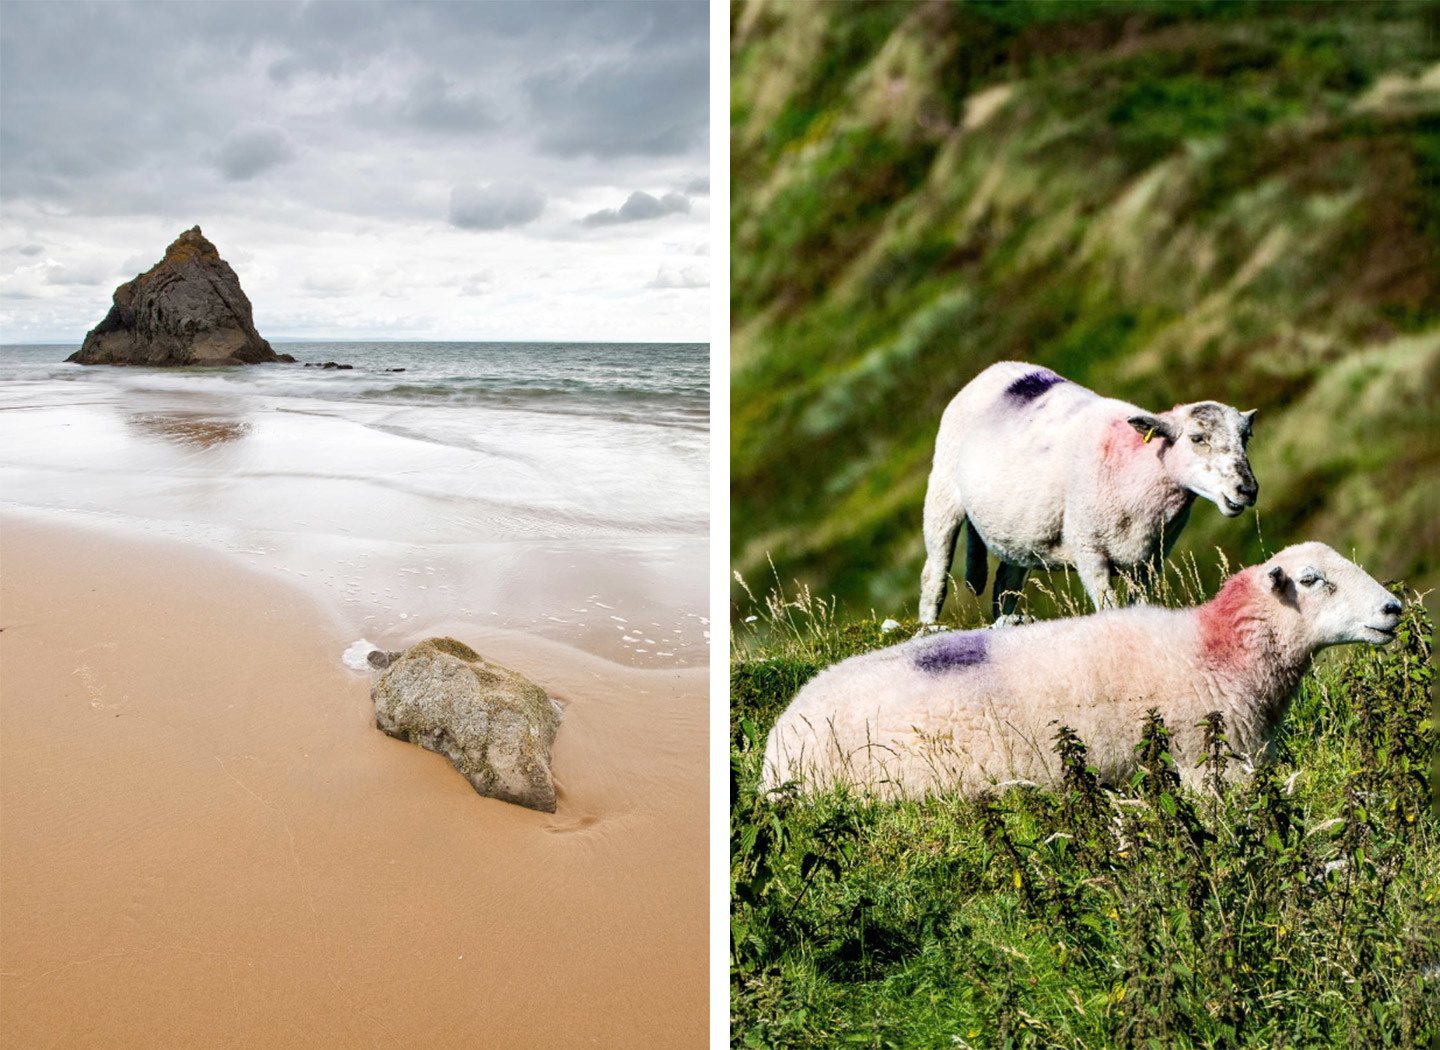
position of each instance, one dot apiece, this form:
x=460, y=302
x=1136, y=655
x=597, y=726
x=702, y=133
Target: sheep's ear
x=1153, y=426
x=1278, y=579
x=1249, y=418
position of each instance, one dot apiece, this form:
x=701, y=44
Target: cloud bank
x=406, y=148
x=494, y=207
x=638, y=207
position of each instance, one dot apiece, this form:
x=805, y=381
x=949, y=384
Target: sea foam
x=356, y=656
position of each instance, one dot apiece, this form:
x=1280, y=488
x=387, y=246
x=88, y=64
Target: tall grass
x=1300, y=907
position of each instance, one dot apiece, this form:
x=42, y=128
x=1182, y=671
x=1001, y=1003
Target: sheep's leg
x=943, y=515
x=1009, y=581
x=977, y=567
x=1094, y=570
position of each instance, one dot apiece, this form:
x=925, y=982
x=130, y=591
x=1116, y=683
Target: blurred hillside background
x=1165, y=201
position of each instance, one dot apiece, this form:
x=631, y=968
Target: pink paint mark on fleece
x=1223, y=636
x=1120, y=441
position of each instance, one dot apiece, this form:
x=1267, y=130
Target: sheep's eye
x=1310, y=578
x=1199, y=439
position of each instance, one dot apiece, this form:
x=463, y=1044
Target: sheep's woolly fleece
x=969, y=710
x=1107, y=485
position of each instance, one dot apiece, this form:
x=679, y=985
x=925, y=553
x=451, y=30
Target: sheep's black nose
x=1392, y=608
x=1249, y=490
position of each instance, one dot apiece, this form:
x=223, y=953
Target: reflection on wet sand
x=395, y=515
x=192, y=431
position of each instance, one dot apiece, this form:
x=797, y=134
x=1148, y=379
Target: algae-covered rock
x=187, y=309
x=493, y=724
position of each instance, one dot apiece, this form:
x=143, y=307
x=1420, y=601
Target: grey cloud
x=99, y=113
x=652, y=101
x=28, y=249
x=650, y=106
x=479, y=283
x=638, y=207
x=115, y=136
x=680, y=277
x=333, y=283
x=320, y=60
x=69, y=275
x=138, y=263
x=495, y=206
x=247, y=153
x=433, y=102
x=699, y=187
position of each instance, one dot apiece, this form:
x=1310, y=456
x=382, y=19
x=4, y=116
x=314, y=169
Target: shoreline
x=330, y=594
x=469, y=487
x=207, y=841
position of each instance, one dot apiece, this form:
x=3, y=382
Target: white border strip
x=719, y=524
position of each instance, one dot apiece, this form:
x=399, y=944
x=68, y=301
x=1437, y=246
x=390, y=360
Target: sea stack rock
x=187, y=309
x=493, y=724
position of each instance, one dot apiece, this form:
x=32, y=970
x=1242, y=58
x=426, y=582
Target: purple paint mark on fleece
x=1031, y=385
x=952, y=651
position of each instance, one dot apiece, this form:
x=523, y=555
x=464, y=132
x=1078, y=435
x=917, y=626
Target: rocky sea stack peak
x=187, y=309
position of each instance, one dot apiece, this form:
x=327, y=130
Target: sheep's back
x=962, y=709
x=1014, y=461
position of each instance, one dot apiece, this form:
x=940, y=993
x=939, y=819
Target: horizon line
x=292, y=340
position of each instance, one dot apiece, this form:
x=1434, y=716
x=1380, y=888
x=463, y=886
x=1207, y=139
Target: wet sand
x=204, y=841
x=580, y=528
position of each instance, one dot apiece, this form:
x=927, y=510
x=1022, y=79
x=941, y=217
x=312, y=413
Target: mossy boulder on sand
x=493, y=724
x=187, y=309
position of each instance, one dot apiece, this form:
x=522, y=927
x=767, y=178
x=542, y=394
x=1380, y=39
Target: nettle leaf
x=747, y=839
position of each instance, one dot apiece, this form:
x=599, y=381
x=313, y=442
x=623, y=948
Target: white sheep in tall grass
x=966, y=710
x=1048, y=474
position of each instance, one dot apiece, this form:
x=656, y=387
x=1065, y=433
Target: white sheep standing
x=967, y=710
x=1046, y=474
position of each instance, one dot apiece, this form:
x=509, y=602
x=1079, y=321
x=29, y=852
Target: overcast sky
x=455, y=171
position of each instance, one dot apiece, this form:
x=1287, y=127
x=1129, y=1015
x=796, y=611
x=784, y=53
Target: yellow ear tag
x=1149, y=434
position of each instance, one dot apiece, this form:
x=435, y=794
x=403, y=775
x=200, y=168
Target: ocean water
x=556, y=489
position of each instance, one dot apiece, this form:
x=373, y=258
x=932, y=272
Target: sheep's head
x=1204, y=451
x=1332, y=599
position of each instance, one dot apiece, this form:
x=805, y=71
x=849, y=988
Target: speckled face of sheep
x=1206, y=451
x=1335, y=600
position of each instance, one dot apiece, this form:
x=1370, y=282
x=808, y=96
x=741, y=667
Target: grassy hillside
x=1166, y=201
x=1300, y=908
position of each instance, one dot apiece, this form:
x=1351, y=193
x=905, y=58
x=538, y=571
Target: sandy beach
x=204, y=841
